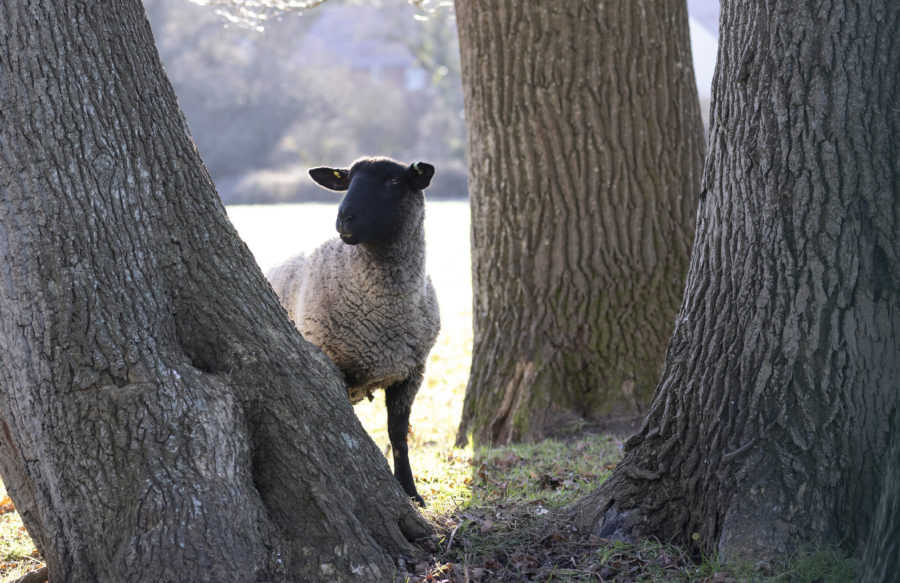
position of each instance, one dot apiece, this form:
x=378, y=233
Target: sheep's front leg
x=399, y=398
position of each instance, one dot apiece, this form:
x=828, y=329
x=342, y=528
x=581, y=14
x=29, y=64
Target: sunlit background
x=267, y=94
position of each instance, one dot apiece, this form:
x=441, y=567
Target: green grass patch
x=826, y=566
x=18, y=555
x=495, y=515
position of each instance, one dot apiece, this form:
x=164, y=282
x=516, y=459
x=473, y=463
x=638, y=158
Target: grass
x=17, y=553
x=493, y=508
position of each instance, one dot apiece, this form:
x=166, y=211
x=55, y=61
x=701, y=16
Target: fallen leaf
x=525, y=562
x=507, y=461
x=554, y=538
x=482, y=473
x=548, y=482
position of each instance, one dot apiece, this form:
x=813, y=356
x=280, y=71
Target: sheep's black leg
x=399, y=398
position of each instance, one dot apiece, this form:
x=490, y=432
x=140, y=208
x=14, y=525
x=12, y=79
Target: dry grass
x=17, y=553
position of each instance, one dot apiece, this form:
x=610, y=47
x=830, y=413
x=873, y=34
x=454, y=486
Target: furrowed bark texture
x=769, y=427
x=585, y=153
x=161, y=418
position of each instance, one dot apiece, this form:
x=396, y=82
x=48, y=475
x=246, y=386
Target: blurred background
x=269, y=95
x=324, y=85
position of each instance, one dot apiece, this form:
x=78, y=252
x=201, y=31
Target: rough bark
x=769, y=427
x=161, y=418
x=585, y=152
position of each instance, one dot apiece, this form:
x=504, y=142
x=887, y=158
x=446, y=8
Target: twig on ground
x=453, y=534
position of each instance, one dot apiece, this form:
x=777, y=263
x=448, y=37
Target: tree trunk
x=585, y=152
x=161, y=418
x=768, y=429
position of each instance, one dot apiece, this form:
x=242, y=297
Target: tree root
x=37, y=576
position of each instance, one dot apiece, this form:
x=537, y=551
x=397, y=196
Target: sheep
x=364, y=298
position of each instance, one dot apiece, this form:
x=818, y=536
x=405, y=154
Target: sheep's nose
x=343, y=222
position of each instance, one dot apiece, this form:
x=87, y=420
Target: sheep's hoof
x=418, y=500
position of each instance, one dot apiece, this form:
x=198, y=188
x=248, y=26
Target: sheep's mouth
x=348, y=238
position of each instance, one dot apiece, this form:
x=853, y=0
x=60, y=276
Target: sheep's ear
x=331, y=178
x=419, y=175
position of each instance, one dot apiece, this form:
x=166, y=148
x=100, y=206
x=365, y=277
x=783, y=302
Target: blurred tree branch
x=253, y=13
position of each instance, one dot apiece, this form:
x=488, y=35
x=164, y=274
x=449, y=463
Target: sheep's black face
x=379, y=192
